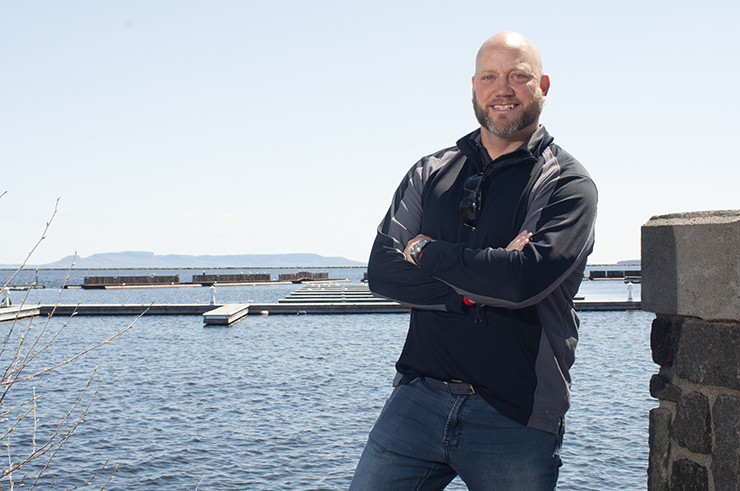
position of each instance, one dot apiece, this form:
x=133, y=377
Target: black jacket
x=517, y=349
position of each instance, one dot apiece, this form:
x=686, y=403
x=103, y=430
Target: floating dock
x=357, y=299
x=309, y=299
x=22, y=312
x=153, y=281
x=18, y=312
x=633, y=275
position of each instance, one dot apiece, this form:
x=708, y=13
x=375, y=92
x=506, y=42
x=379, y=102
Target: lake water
x=286, y=402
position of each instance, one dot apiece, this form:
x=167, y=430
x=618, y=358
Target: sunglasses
x=470, y=205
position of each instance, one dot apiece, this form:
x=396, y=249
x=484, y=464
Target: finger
x=519, y=241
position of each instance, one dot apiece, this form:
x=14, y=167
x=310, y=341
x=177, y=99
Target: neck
x=499, y=145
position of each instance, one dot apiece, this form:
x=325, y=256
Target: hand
x=519, y=241
x=406, y=251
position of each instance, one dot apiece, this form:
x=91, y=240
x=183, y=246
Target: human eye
x=487, y=79
x=520, y=77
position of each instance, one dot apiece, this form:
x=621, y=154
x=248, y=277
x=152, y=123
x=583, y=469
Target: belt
x=454, y=387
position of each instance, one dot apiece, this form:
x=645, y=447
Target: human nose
x=502, y=87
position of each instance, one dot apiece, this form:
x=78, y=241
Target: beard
x=530, y=115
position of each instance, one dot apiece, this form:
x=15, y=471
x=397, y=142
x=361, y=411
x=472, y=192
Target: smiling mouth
x=503, y=107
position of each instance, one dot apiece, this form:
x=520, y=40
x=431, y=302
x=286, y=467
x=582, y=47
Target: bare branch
x=85, y=351
x=19, y=348
x=43, y=236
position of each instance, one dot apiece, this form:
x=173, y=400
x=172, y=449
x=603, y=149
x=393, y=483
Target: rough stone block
x=659, y=442
x=661, y=341
x=662, y=388
x=689, y=476
x=690, y=264
x=692, y=428
x=726, y=454
x=708, y=353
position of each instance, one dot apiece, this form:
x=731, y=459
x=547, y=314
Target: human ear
x=545, y=84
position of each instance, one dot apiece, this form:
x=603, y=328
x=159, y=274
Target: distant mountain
x=150, y=260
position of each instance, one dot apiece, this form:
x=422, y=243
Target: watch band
x=416, y=249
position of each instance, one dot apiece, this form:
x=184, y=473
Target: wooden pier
x=309, y=299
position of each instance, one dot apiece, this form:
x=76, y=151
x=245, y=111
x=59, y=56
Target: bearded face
x=506, y=127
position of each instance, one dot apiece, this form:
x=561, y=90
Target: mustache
x=498, y=100
x=505, y=101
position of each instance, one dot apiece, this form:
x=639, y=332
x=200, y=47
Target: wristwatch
x=416, y=249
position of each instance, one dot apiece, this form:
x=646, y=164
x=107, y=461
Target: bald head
x=510, y=41
x=509, y=90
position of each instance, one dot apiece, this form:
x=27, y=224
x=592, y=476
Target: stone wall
x=691, y=280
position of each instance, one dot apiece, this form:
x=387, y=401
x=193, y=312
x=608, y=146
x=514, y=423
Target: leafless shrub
x=21, y=345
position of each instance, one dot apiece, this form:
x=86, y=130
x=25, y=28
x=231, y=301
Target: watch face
x=416, y=248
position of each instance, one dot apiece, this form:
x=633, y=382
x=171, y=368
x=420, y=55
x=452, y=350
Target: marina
x=287, y=401
x=309, y=299
x=282, y=393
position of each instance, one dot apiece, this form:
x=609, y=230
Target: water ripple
x=286, y=402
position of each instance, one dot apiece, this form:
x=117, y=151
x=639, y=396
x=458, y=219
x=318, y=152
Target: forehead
x=506, y=57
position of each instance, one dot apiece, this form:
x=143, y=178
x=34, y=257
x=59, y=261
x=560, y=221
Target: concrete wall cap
x=694, y=218
x=690, y=264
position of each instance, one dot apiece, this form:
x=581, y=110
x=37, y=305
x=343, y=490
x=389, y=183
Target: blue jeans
x=425, y=437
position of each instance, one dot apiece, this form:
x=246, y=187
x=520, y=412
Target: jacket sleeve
x=561, y=215
x=389, y=274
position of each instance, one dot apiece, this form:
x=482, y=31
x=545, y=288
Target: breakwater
x=104, y=281
x=98, y=282
x=615, y=274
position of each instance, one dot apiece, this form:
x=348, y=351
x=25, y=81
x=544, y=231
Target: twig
x=43, y=236
x=49, y=445
x=20, y=357
x=48, y=319
x=85, y=351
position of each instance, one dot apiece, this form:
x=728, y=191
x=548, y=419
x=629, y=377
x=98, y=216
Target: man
x=487, y=242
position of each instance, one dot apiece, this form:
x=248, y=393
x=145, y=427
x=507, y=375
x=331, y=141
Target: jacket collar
x=470, y=145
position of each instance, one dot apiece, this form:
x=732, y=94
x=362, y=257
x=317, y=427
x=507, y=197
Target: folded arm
x=389, y=274
x=563, y=235
x=561, y=214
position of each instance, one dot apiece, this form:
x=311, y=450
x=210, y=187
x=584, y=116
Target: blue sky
x=237, y=127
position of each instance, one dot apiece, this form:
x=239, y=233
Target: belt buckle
x=470, y=388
